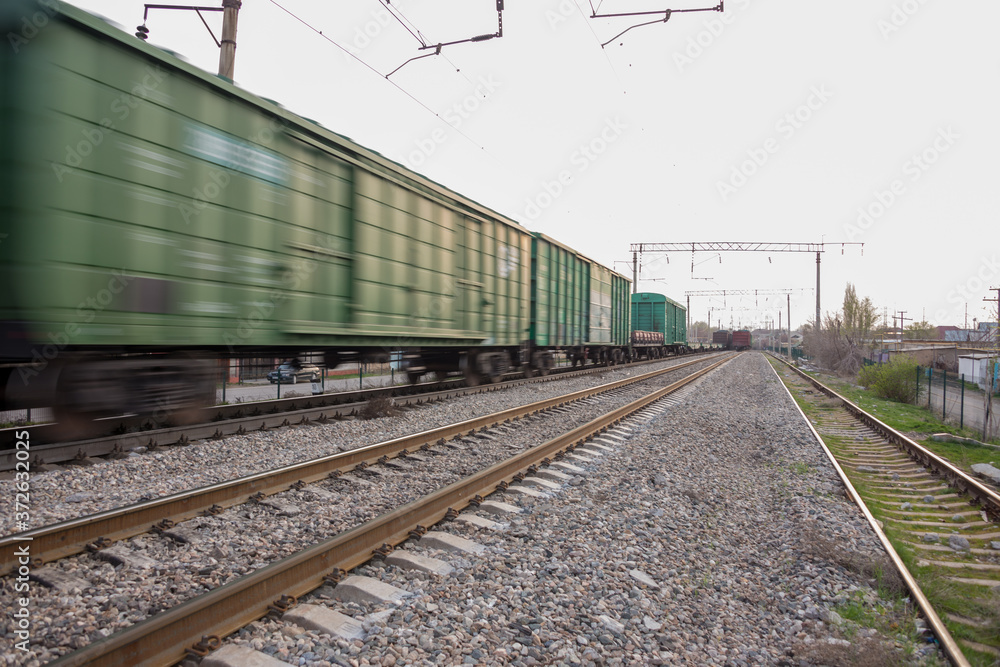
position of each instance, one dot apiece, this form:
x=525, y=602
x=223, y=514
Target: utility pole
x=688, y=313
x=991, y=381
x=788, y=297
x=227, y=52
x=227, y=47
x=818, y=325
x=635, y=272
x=902, y=323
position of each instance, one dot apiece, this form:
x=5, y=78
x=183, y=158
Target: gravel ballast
x=87, y=597
x=716, y=534
x=76, y=491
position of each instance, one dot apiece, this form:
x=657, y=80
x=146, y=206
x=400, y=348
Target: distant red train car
x=723, y=339
x=742, y=340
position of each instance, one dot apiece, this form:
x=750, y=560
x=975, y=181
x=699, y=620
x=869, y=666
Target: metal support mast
x=227, y=52
x=227, y=47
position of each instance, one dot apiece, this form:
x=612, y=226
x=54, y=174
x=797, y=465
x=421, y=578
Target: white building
x=975, y=367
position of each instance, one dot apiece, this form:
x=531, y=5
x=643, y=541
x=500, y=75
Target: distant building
x=944, y=332
x=979, y=335
x=976, y=367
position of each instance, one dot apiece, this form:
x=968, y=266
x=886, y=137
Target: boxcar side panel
x=208, y=225
x=600, y=305
x=558, y=283
x=621, y=310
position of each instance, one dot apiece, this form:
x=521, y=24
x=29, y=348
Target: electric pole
x=902, y=325
x=227, y=47
x=227, y=52
x=990, y=383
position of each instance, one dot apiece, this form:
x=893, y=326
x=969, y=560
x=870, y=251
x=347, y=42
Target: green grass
x=800, y=468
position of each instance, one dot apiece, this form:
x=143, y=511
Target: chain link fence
x=959, y=401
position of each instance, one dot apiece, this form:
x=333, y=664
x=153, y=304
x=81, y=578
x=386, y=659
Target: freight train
x=155, y=218
x=659, y=326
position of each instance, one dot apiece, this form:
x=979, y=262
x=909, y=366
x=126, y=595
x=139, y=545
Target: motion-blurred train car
x=155, y=217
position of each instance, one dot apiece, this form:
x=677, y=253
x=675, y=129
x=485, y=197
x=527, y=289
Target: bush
x=895, y=381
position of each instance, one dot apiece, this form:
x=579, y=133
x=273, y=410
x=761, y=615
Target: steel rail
x=988, y=499
x=70, y=537
x=124, y=433
x=162, y=639
x=948, y=642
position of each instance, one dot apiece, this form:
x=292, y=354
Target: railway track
x=936, y=521
x=122, y=434
x=390, y=527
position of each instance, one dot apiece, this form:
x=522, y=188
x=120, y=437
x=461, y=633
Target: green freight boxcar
x=154, y=215
x=609, y=330
x=653, y=312
x=577, y=306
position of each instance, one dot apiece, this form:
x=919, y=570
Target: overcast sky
x=781, y=121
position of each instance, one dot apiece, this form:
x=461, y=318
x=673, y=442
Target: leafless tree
x=846, y=335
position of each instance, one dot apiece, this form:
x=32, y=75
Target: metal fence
x=958, y=401
x=782, y=350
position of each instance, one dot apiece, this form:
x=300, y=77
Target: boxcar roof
x=656, y=297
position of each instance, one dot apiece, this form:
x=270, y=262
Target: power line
x=405, y=22
x=598, y=40
x=394, y=84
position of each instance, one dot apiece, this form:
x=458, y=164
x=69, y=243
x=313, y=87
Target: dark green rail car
x=680, y=322
x=560, y=287
x=656, y=312
x=577, y=305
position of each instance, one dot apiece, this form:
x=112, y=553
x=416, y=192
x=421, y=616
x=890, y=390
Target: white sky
x=775, y=121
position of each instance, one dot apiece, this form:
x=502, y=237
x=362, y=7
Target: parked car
x=293, y=371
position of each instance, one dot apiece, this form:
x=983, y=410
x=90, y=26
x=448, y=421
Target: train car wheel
x=543, y=362
x=470, y=366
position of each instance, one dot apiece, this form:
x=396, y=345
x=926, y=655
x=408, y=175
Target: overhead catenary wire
x=394, y=84
x=598, y=40
x=405, y=22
